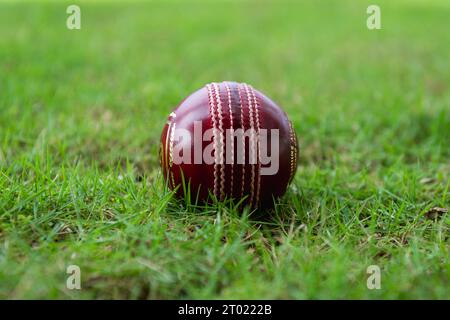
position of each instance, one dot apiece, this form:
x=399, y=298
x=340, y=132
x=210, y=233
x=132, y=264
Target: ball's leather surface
x=224, y=106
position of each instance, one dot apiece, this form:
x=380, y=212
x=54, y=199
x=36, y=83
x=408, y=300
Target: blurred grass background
x=81, y=113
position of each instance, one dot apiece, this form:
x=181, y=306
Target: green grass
x=81, y=113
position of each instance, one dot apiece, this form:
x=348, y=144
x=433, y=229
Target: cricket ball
x=229, y=141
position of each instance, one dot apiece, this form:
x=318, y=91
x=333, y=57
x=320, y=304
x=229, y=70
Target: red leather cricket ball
x=228, y=140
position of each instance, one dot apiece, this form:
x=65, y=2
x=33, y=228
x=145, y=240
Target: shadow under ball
x=232, y=173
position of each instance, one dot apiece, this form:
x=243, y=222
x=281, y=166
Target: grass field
x=81, y=112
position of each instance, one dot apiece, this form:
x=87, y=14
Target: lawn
x=81, y=113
